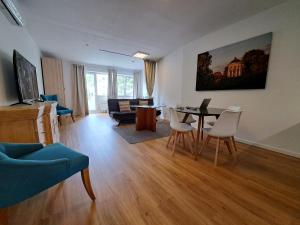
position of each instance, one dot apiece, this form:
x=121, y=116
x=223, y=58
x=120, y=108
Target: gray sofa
x=125, y=117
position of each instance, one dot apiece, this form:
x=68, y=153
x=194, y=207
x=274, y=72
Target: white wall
x=169, y=80
x=271, y=117
x=14, y=37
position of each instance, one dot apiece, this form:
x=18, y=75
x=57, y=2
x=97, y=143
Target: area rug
x=132, y=136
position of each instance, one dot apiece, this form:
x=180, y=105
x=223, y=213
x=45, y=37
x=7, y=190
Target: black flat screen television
x=26, y=80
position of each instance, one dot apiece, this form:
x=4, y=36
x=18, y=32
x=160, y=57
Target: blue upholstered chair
x=27, y=169
x=61, y=110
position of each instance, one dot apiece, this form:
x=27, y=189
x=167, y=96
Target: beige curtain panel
x=80, y=103
x=150, y=67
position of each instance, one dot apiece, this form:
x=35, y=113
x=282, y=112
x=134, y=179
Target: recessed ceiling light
x=141, y=55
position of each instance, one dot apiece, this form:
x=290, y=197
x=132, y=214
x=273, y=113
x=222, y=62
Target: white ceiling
x=63, y=28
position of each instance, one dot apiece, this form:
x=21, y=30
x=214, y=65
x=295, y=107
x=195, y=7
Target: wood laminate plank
x=143, y=184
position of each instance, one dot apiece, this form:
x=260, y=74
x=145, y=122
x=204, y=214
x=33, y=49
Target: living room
x=172, y=112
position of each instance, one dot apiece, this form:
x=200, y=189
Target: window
x=125, y=85
x=96, y=85
x=90, y=86
x=102, y=84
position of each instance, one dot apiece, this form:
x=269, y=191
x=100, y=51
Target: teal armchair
x=61, y=110
x=27, y=169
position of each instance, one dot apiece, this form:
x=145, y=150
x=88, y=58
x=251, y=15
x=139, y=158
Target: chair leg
x=175, y=140
x=203, y=144
x=171, y=135
x=189, y=141
x=59, y=120
x=234, y=144
x=231, y=143
x=179, y=138
x=85, y=176
x=208, y=139
x=193, y=137
x=217, y=151
x=227, y=142
x=183, y=141
x=72, y=117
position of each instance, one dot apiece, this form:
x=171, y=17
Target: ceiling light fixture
x=141, y=55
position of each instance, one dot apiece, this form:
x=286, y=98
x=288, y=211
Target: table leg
x=198, y=136
x=185, y=117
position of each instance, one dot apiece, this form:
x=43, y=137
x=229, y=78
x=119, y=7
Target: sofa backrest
x=113, y=103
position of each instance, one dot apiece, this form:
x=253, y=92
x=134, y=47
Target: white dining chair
x=179, y=130
x=231, y=108
x=189, y=121
x=223, y=129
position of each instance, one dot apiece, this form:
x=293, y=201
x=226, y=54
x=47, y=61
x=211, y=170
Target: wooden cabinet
x=35, y=123
x=145, y=118
x=53, y=78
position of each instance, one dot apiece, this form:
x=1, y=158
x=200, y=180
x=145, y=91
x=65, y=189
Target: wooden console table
x=36, y=123
x=145, y=118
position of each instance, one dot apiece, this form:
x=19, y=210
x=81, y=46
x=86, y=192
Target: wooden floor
x=142, y=184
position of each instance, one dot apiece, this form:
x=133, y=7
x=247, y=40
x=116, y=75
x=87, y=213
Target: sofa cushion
x=124, y=106
x=123, y=116
x=143, y=102
x=78, y=161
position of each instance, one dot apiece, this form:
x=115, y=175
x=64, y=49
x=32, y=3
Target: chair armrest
x=23, y=164
x=25, y=168
x=18, y=150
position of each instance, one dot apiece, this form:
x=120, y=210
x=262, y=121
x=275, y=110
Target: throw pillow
x=143, y=102
x=124, y=106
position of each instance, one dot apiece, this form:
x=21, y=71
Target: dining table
x=201, y=113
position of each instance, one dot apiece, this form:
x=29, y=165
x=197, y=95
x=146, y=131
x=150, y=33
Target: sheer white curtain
x=112, y=91
x=137, y=84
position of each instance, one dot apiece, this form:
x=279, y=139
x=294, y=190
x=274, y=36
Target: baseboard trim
x=269, y=147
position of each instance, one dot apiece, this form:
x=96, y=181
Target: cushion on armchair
x=77, y=160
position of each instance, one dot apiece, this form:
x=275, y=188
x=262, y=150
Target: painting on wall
x=243, y=65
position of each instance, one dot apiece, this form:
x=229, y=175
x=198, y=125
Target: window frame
x=125, y=76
